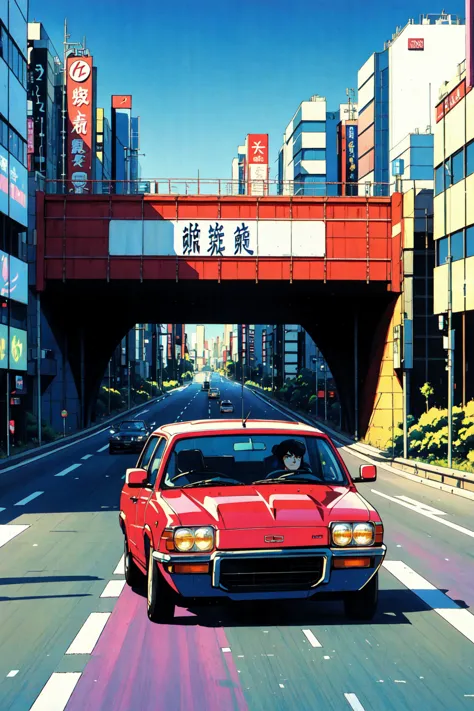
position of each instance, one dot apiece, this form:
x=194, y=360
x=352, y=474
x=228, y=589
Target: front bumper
x=123, y=446
x=330, y=581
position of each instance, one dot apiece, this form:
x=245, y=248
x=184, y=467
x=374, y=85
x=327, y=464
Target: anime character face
x=291, y=461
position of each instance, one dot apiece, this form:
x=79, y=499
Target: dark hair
x=293, y=446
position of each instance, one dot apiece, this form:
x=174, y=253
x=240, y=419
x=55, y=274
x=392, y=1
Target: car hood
x=263, y=506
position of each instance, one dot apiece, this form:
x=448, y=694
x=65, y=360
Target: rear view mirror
x=367, y=472
x=135, y=477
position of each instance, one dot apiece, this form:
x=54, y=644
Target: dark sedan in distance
x=129, y=436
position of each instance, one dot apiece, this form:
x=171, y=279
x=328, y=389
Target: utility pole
x=325, y=391
x=450, y=367
x=38, y=362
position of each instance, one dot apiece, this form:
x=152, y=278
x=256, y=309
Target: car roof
x=194, y=427
x=132, y=422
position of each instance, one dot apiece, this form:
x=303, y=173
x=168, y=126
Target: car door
x=145, y=495
x=133, y=496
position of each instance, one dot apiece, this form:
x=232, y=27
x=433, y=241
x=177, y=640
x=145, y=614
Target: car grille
x=273, y=573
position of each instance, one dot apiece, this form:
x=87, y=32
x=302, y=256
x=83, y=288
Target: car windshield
x=131, y=426
x=250, y=459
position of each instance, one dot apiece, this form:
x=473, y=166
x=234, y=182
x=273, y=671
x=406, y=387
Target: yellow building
x=454, y=219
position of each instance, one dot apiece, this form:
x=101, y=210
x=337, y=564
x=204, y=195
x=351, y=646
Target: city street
x=75, y=637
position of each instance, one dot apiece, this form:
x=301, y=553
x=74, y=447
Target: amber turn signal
x=378, y=533
x=351, y=562
x=189, y=568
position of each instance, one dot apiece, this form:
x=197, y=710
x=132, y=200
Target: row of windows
x=309, y=127
x=12, y=56
x=459, y=245
x=455, y=168
x=311, y=154
x=13, y=142
x=13, y=314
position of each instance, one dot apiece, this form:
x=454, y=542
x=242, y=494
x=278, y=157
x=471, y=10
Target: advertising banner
x=3, y=347
x=18, y=191
x=80, y=123
x=416, y=43
x=351, y=154
x=18, y=349
x=4, y=274
x=222, y=238
x=257, y=148
x=121, y=102
x=18, y=274
x=452, y=99
x=257, y=160
x=39, y=98
x=31, y=136
x=3, y=180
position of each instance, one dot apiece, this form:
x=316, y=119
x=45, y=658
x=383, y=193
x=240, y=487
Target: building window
x=470, y=158
x=313, y=154
x=441, y=251
x=457, y=245
x=448, y=172
x=439, y=185
x=457, y=166
x=470, y=241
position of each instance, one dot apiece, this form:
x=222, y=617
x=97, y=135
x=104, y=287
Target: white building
x=397, y=95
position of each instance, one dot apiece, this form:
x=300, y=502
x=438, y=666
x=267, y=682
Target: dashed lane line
x=462, y=620
x=113, y=588
x=89, y=634
x=57, y=692
x=353, y=702
x=120, y=569
x=311, y=638
x=68, y=470
x=87, y=456
x=29, y=498
x=102, y=449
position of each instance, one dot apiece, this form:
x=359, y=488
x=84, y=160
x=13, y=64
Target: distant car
x=129, y=436
x=227, y=406
x=268, y=511
x=205, y=385
x=214, y=394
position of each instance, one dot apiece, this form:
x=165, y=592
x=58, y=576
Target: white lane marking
x=89, y=634
x=68, y=469
x=10, y=531
x=421, y=505
x=57, y=692
x=120, y=569
x=2, y=508
x=311, y=638
x=282, y=686
x=102, y=449
x=142, y=413
x=462, y=620
x=422, y=512
x=88, y=456
x=353, y=702
x=29, y=498
x=226, y=649
x=12, y=673
x=113, y=588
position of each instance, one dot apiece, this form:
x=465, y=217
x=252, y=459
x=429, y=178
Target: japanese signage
x=3, y=180
x=19, y=383
x=264, y=347
x=121, y=102
x=257, y=161
x=18, y=191
x=3, y=346
x=218, y=238
x=18, y=280
x=351, y=154
x=416, y=43
x=80, y=122
x=452, y=99
x=39, y=98
x=31, y=136
x=18, y=350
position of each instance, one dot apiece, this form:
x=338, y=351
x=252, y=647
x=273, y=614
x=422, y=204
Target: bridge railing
x=214, y=186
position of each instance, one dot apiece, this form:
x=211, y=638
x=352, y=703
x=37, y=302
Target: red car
x=254, y=511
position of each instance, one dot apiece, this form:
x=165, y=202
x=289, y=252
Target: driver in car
x=290, y=456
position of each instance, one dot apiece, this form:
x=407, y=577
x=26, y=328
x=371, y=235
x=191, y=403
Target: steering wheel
x=284, y=474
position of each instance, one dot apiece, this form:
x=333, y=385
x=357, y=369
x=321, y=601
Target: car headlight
x=342, y=534
x=363, y=534
x=194, y=539
x=140, y=437
x=356, y=534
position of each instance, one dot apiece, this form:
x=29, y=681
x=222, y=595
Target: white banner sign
x=221, y=238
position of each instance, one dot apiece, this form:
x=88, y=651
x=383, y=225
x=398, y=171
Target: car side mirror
x=135, y=477
x=367, y=472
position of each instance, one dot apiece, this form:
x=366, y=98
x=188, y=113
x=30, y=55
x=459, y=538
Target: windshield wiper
x=214, y=480
x=293, y=480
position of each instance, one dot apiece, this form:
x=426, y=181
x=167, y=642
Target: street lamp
x=450, y=336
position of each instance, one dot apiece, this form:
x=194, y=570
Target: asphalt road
x=73, y=637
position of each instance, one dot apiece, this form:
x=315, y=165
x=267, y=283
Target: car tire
x=133, y=574
x=362, y=605
x=160, y=602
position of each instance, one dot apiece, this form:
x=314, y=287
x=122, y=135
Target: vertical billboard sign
x=39, y=98
x=121, y=102
x=80, y=123
x=469, y=43
x=264, y=347
x=351, y=154
x=257, y=160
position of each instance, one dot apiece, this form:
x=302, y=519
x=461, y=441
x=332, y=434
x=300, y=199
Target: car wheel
x=160, y=603
x=133, y=575
x=362, y=605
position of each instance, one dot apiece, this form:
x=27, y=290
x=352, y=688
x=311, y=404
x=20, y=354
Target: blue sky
x=204, y=74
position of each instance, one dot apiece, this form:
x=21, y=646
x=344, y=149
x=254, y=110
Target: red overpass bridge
x=332, y=264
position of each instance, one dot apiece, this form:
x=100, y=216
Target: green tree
x=427, y=391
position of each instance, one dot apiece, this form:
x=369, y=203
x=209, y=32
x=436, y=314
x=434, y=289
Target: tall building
x=13, y=220
x=250, y=167
x=454, y=221
x=397, y=94
x=200, y=340
x=307, y=160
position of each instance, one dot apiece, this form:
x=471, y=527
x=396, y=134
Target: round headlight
x=342, y=534
x=204, y=538
x=184, y=539
x=363, y=534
